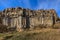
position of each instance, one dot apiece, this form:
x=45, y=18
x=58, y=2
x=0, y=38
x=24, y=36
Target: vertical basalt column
x=9, y=21
x=24, y=22
x=31, y=23
x=52, y=20
x=4, y=21
x=12, y=22
x=41, y=18
x=27, y=22
x=24, y=18
x=19, y=23
x=5, y=17
x=15, y=20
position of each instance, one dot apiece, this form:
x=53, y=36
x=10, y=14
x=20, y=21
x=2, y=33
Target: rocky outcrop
x=27, y=19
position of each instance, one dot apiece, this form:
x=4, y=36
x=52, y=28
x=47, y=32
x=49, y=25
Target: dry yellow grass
x=42, y=34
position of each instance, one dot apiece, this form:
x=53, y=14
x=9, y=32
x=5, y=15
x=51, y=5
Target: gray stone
x=26, y=18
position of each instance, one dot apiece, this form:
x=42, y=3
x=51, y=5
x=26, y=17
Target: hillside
x=43, y=34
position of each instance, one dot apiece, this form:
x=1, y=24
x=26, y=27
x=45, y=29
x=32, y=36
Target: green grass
x=43, y=34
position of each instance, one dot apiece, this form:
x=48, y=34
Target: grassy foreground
x=43, y=34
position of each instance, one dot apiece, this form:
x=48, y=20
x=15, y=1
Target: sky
x=31, y=4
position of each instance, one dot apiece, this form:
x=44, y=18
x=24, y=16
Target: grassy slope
x=43, y=34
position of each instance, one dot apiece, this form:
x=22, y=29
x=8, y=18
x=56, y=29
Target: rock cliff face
x=25, y=18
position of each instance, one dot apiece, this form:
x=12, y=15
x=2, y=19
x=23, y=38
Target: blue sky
x=31, y=4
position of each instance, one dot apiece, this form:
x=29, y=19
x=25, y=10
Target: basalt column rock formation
x=20, y=18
